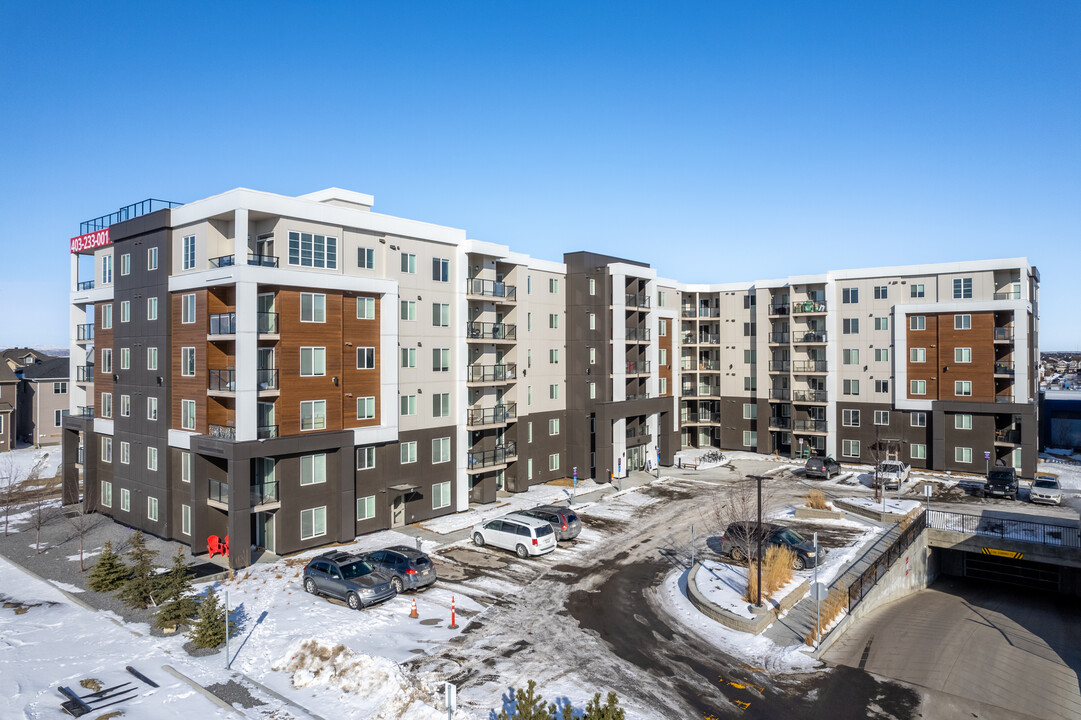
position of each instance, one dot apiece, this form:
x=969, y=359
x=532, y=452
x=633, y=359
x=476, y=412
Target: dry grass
x=247, y=574
x=816, y=500
x=91, y=684
x=776, y=572
x=296, y=562
x=834, y=604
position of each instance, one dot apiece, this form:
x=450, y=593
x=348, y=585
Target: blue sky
x=717, y=141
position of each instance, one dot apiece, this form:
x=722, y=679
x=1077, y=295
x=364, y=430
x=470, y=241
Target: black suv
x=1001, y=482
x=563, y=520
x=347, y=577
x=740, y=542
x=409, y=568
x=822, y=467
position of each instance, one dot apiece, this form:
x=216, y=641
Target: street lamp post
x=759, y=535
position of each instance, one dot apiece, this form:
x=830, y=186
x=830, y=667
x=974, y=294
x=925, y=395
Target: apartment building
x=295, y=371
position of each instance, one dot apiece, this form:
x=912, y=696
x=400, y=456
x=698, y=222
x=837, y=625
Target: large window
x=962, y=454
x=881, y=292
x=850, y=326
x=185, y=519
x=187, y=414
x=107, y=449
x=962, y=288
x=152, y=258
x=313, y=415
x=152, y=308
x=408, y=452
x=365, y=308
x=850, y=295
x=553, y=426
x=553, y=391
x=962, y=355
x=409, y=357
x=750, y=411
x=311, y=250
x=151, y=358
x=962, y=322
x=125, y=406
x=440, y=450
x=60, y=388
x=125, y=358
x=187, y=252
x=106, y=269
x=366, y=457
x=962, y=388
x=106, y=361
x=917, y=355
x=441, y=359
x=440, y=404
x=850, y=357
x=187, y=361
x=125, y=499
x=365, y=258
x=882, y=417
x=916, y=290
x=917, y=322
x=313, y=469
x=918, y=451
x=125, y=452
x=850, y=418
x=409, y=310
x=313, y=361
x=313, y=523
x=962, y=421
x=882, y=323
x=187, y=309
x=313, y=307
x=185, y=466
x=107, y=316
x=125, y=264
x=125, y=311
x=553, y=321
x=366, y=508
x=553, y=285
x=882, y=386
x=106, y=493
x=553, y=461
x=151, y=458
x=409, y=405
x=917, y=387
x=440, y=315
x=750, y=438
x=106, y=405
x=882, y=354
x=850, y=448
x=365, y=358
x=440, y=495
x=366, y=408
x=553, y=356
x=409, y=263
x=850, y=387
x=918, y=419
x=440, y=269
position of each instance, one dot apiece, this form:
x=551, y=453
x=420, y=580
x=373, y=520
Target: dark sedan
x=347, y=577
x=408, y=568
x=564, y=521
x=740, y=542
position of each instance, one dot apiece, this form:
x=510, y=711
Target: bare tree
x=82, y=522
x=42, y=512
x=12, y=476
x=738, y=502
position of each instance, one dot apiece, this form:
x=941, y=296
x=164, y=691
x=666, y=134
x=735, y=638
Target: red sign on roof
x=96, y=239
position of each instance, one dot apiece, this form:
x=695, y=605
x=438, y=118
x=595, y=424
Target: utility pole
x=759, y=535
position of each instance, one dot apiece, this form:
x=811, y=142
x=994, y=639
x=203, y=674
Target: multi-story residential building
x=9, y=400
x=43, y=400
x=293, y=371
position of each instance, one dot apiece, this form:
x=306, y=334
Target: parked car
x=564, y=521
x=823, y=467
x=1045, y=489
x=409, y=568
x=523, y=534
x=740, y=542
x=891, y=473
x=1001, y=482
x=347, y=577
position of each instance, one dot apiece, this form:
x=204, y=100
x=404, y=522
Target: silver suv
x=347, y=577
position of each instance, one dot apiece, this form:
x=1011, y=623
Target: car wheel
x=522, y=551
x=799, y=563
x=396, y=583
x=737, y=554
x=354, y=601
x=309, y=585
x=478, y=539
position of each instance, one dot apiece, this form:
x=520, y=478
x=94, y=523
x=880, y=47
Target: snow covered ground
x=536, y=495
x=27, y=462
x=890, y=505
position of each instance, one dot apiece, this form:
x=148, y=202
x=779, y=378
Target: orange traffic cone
x=413, y=612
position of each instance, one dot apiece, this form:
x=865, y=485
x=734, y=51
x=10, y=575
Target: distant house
x=18, y=358
x=43, y=398
x=9, y=389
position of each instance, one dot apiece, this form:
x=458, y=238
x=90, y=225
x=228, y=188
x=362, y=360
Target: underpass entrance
x=1011, y=571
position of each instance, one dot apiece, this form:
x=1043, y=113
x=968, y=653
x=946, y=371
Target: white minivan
x=520, y=533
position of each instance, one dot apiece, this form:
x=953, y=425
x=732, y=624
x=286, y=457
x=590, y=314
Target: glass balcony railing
x=267, y=323
x=493, y=415
x=84, y=373
x=801, y=366
x=1004, y=333
x=491, y=331
x=219, y=491
x=779, y=366
x=223, y=261
x=266, y=432
x=781, y=423
x=1003, y=367
x=689, y=311
x=778, y=337
x=491, y=373
x=490, y=288
x=84, y=332
x=810, y=336
x=637, y=432
x=265, y=492
x=499, y=456
x=222, y=380
x=222, y=324
x=639, y=300
x=637, y=368
x=778, y=309
x=810, y=426
x=263, y=260
x=708, y=311
x=266, y=379
x=85, y=285
x=1004, y=398
x=808, y=306
x=637, y=334
x=1009, y=295
x=780, y=394
x=809, y=395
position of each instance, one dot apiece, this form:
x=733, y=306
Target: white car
x=891, y=473
x=524, y=535
x=1045, y=490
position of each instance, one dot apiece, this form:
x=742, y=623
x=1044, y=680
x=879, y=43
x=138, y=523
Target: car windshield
x=355, y=569
x=790, y=536
x=1051, y=484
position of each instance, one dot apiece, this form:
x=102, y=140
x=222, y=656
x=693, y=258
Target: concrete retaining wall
x=812, y=514
x=875, y=514
x=755, y=625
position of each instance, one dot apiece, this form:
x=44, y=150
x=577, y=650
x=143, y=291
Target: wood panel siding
x=928, y=371
x=296, y=334
x=189, y=335
x=981, y=371
x=664, y=342
x=103, y=383
x=356, y=383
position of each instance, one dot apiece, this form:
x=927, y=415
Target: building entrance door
x=264, y=530
x=397, y=512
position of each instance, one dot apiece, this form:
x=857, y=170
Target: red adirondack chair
x=216, y=546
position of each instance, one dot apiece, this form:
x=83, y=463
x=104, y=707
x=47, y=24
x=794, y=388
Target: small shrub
x=816, y=500
x=776, y=572
x=834, y=604
x=247, y=574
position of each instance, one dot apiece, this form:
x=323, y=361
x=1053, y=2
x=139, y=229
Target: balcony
x=222, y=432
x=640, y=431
x=267, y=323
x=811, y=336
x=222, y=381
x=814, y=426
x=83, y=411
x=1009, y=295
x=84, y=373
x=709, y=365
x=637, y=300
x=809, y=366
x=709, y=339
x=689, y=311
x=266, y=379
x=1008, y=437
x=488, y=331
x=1004, y=367
x=263, y=260
x=780, y=394
x=809, y=396
x=708, y=311
x=779, y=366
x=780, y=423
x=1004, y=398
x=1004, y=334
x=638, y=396
x=267, y=432
x=638, y=368
x=803, y=307
x=687, y=365
x=501, y=455
x=478, y=288
x=85, y=285
x=223, y=261
x=637, y=334
x=779, y=309
x=222, y=324
x=498, y=415
x=84, y=333
x=219, y=494
x=265, y=493
x=491, y=374
x=778, y=338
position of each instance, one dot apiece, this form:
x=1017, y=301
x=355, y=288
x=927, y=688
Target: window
x=750, y=357
x=408, y=452
x=151, y=458
x=660, y=298
x=917, y=322
x=962, y=355
x=311, y=250
x=662, y=327
x=107, y=316
x=850, y=357
x=185, y=467
x=151, y=408
x=528, y=284
x=313, y=307
x=593, y=388
x=553, y=356
x=553, y=320
x=152, y=258
x=106, y=405
x=408, y=405
x=125, y=311
x=850, y=295
x=850, y=448
x=662, y=356
x=441, y=405
x=916, y=290
x=366, y=408
x=313, y=361
x=882, y=417
x=750, y=383
x=107, y=449
x=125, y=358
x=529, y=432
x=441, y=269
x=58, y=419
x=125, y=406
x=962, y=388
x=440, y=450
x=882, y=386
x=365, y=308
x=918, y=419
x=962, y=322
x=882, y=354
x=750, y=411
x=918, y=451
x=365, y=358
x=962, y=421
x=917, y=355
x=366, y=508
x=409, y=263
x=440, y=495
x=107, y=361
x=125, y=500
x=187, y=309
x=365, y=258
x=850, y=387
x=592, y=356
x=529, y=468
x=592, y=321
x=152, y=358
x=187, y=252
x=850, y=418
x=313, y=523
x=880, y=292
x=553, y=286
x=106, y=269
x=553, y=461
x=440, y=315
x=592, y=286
x=529, y=322
x=750, y=438
x=106, y=493
x=313, y=469
x=882, y=323
x=187, y=414
x=185, y=520
x=366, y=457
x=749, y=329
x=60, y=388
x=962, y=288
x=553, y=392
x=553, y=426
x=152, y=308
x=125, y=264
x=409, y=357
x=962, y=454
x=313, y=415
x=187, y=361
x=528, y=394
x=850, y=326
x=917, y=387
x=409, y=310
x=125, y=452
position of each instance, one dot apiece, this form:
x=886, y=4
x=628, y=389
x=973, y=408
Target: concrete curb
x=199, y=688
x=756, y=626
x=811, y=513
x=878, y=515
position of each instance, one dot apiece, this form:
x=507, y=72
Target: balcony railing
x=640, y=431
x=1004, y=398
x=266, y=379
x=689, y=311
x=490, y=288
x=781, y=309
x=1008, y=436
x=498, y=456
x=222, y=324
x=780, y=394
x=808, y=366
x=263, y=493
x=634, y=368
x=707, y=311
x=84, y=373
x=222, y=432
x=222, y=380
x=708, y=339
x=491, y=331
x=266, y=323
x=491, y=416
x=808, y=306
x=638, y=396
x=85, y=285
x=810, y=426
x=143, y=207
x=491, y=373
x=85, y=411
x=266, y=432
x=1009, y=295
x=1004, y=333
x=263, y=260
x=1003, y=367
x=778, y=337
x=637, y=334
x=781, y=423
x=84, y=332
x=812, y=336
x=709, y=365
x=223, y=261
x=640, y=300
x=778, y=366
x=219, y=491
x=809, y=395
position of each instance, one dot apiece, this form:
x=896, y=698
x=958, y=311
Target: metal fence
x=863, y=584
x=1005, y=528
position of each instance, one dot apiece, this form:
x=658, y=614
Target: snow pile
x=725, y=586
x=896, y=507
